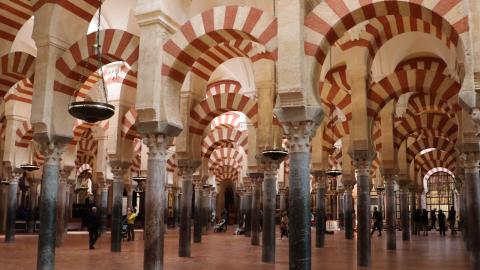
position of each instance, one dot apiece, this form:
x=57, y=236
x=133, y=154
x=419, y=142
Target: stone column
x=205, y=208
x=362, y=160
x=269, y=206
x=118, y=168
x=248, y=209
x=103, y=206
x=299, y=134
x=390, y=208
x=320, y=184
x=472, y=187
x=129, y=189
x=48, y=205
x=3, y=206
x=257, y=180
x=413, y=201
x=404, y=209
x=348, y=210
x=283, y=198
x=176, y=211
x=241, y=194
x=61, y=205
x=68, y=204
x=187, y=168
x=33, y=204
x=380, y=190
x=12, y=207
x=464, y=214
x=341, y=206
x=197, y=224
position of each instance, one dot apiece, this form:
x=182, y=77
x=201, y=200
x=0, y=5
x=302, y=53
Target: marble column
x=472, y=187
x=3, y=206
x=48, y=205
x=197, y=224
x=68, y=205
x=341, y=206
x=362, y=161
x=12, y=207
x=404, y=210
x=283, y=191
x=269, y=206
x=391, y=220
x=413, y=201
x=241, y=193
x=187, y=168
x=154, y=201
x=320, y=184
x=33, y=204
x=61, y=205
x=464, y=215
x=348, y=210
x=257, y=180
x=118, y=168
x=299, y=135
x=129, y=189
x=205, y=208
x=176, y=211
x=248, y=209
x=103, y=206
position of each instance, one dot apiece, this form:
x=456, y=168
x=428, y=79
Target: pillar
x=380, y=190
x=103, y=206
x=197, y=224
x=187, y=168
x=205, y=208
x=118, y=170
x=176, y=212
x=320, y=184
x=257, y=179
x=413, y=202
x=48, y=205
x=3, y=206
x=472, y=187
x=33, y=204
x=362, y=160
x=61, y=205
x=341, y=203
x=283, y=198
x=129, y=196
x=404, y=210
x=269, y=206
x=348, y=210
x=12, y=207
x=68, y=205
x=248, y=209
x=390, y=208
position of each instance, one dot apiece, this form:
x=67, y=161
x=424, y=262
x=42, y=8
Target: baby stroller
x=124, y=230
x=221, y=226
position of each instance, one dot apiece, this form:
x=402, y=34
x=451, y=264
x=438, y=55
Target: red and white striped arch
x=223, y=86
x=435, y=122
x=13, y=14
x=22, y=92
x=15, y=67
x=225, y=154
x=137, y=155
x=210, y=142
x=420, y=102
x=400, y=82
x=83, y=9
x=212, y=58
x=80, y=60
x=213, y=106
x=227, y=120
x=225, y=173
x=172, y=163
x=128, y=130
x=24, y=134
x=435, y=159
x=440, y=143
x=212, y=27
x=424, y=63
x=330, y=19
x=86, y=149
x=436, y=170
x=333, y=133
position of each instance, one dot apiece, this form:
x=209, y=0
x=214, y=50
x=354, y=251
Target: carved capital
x=270, y=166
x=157, y=145
x=119, y=168
x=187, y=167
x=362, y=159
x=320, y=179
x=256, y=178
x=299, y=135
x=65, y=173
x=15, y=177
x=53, y=152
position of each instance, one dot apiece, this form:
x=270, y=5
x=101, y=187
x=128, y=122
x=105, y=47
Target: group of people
x=421, y=221
x=92, y=221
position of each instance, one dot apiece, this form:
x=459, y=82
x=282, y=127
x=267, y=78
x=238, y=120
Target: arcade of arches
x=210, y=95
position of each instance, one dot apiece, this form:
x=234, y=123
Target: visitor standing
x=377, y=222
x=433, y=217
x=425, y=222
x=131, y=216
x=93, y=225
x=284, y=225
x=441, y=222
x=452, y=215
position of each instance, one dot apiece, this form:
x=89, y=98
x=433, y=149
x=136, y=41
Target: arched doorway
x=441, y=191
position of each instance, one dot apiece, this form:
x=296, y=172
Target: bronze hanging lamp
x=276, y=152
x=94, y=111
x=30, y=166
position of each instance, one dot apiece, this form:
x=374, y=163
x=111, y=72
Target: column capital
x=187, y=167
x=256, y=178
x=362, y=159
x=65, y=173
x=320, y=179
x=15, y=177
x=270, y=166
x=53, y=152
x=348, y=181
x=157, y=145
x=119, y=168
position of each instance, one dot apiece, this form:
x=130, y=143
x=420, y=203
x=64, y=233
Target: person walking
x=93, y=225
x=433, y=217
x=284, y=225
x=417, y=221
x=131, y=216
x=452, y=215
x=441, y=222
x=425, y=222
x=377, y=222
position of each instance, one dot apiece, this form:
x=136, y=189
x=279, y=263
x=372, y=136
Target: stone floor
x=226, y=251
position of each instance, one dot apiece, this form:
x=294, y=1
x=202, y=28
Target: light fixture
x=333, y=172
x=30, y=166
x=276, y=152
x=94, y=111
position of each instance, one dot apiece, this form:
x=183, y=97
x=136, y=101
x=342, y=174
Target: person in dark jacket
x=93, y=225
x=433, y=217
x=377, y=222
x=425, y=222
x=441, y=222
x=452, y=216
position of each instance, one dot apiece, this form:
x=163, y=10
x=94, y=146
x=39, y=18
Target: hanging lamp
x=94, y=111
x=333, y=172
x=30, y=166
x=276, y=152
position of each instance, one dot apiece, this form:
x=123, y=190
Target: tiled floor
x=226, y=251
